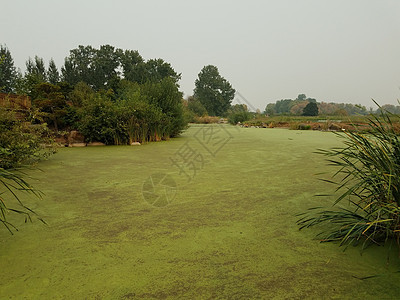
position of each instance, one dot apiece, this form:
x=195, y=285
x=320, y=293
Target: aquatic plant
x=11, y=183
x=368, y=177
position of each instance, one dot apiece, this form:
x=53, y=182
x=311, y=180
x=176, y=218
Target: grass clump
x=368, y=177
x=300, y=126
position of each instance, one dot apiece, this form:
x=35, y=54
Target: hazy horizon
x=336, y=51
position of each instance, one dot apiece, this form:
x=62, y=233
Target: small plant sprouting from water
x=368, y=177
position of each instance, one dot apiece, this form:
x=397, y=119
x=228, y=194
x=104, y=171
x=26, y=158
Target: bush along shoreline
x=22, y=145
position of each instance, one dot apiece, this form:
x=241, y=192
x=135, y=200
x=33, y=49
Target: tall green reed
x=367, y=177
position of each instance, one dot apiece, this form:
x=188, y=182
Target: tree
x=35, y=74
x=80, y=93
x=100, y=120
x=213, y=91
x=105, y=69
x=52, y=73
x=270, y=109
x=51, y=102
x=238, y=108
x=196, y=107
x=153, y=70
x=8, y=73
x=283, y=106
x=311, y=109
x=301, y=97
x=79, y=66
x=166, y=96
x=157, y=69
x=132, y=65
x=298, y=107
x=35, y=67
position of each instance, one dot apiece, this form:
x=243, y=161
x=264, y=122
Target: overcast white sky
x=335, y=51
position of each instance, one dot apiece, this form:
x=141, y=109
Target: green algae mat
x=208, y=215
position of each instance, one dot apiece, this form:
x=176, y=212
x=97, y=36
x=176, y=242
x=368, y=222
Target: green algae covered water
x=209, y=215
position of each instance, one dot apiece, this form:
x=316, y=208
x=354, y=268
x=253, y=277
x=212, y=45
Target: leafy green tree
x=289, y=106
x=283, y=106
x=36, y=67
x=311, y=100
x=100, y=120
x=51, y=102
x=157, y=69
x=270, y=109
x=141, y=117
x=79, y=65
x=168, y=98
x=35, y=74
x=154, y=70
x=238, y=108
x=82, y=92
x=311, y=109
x=301, y=97
x=8, y=73
x=52, y=73
x=213, y=91
x=153, y=110
x=69, y=73
x=195, y=106
x=132, y=65
x=105, y=70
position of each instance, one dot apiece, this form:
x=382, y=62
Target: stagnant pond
x=208, y=215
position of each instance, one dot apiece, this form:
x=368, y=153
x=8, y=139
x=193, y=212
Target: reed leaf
x=13, y=182
x=367, y=178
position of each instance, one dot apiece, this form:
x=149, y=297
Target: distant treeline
x=296, y=107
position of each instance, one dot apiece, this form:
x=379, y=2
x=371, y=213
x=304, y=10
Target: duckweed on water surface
x=228, y=230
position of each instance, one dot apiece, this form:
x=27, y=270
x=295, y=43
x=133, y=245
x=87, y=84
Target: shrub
x=237, y=117
x=304, y=127
x=300, y=126
x=195, y=106
x=206, y=120
x=100, y=121
x=22, y=143
x=152, y=111
x=368, y=177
